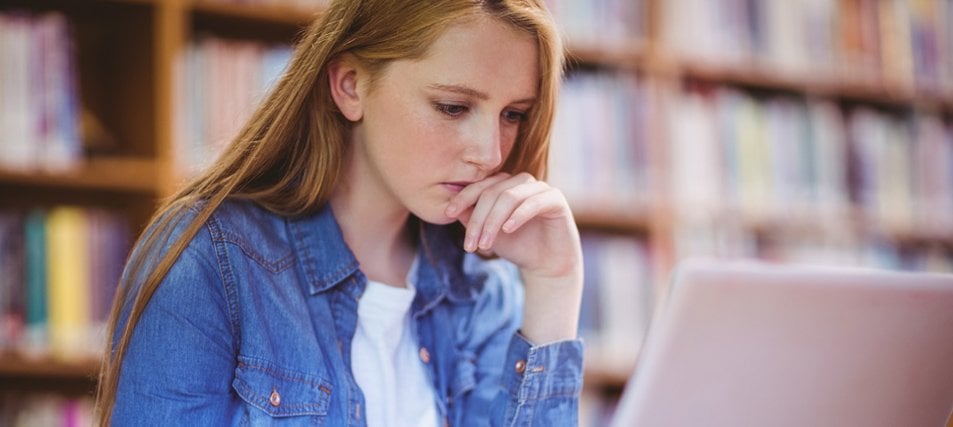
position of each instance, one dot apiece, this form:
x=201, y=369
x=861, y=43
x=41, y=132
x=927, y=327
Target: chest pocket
x=275, y=394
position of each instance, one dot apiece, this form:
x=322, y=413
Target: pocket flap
x=281, y=392
x=464, y=378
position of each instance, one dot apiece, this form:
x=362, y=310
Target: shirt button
x=275, y=398
x=520, y=366
x=424, y=355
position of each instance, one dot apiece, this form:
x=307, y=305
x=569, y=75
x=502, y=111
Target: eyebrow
x=463, y=90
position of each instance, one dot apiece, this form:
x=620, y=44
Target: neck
x=377, y=233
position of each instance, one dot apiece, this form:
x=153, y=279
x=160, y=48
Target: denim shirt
x=253, y=326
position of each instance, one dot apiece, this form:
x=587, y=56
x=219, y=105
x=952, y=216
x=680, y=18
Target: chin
x=439, y=219
x=434, y=215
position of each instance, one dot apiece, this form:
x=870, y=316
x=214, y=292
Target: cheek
x=438, y=137
x=507, y=144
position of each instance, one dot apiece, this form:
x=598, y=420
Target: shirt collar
x=325, y=258
x=327, y=261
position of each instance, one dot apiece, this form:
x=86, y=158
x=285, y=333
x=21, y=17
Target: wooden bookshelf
x=254, y=14
x=96, y=174
x=128, y=54
x=43, y=374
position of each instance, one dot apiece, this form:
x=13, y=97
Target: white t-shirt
x=386, y=362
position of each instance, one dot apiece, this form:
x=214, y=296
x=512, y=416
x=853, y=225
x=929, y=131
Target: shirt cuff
x=542, y=372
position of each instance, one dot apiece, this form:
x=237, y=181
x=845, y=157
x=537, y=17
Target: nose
x=484, y=149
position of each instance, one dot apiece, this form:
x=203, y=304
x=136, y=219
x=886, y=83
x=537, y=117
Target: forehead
x=482, y=53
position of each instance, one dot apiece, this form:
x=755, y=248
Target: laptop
x=755, y=344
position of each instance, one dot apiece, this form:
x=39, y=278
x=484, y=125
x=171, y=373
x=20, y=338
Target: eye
x=452, y=110
x=514, y=116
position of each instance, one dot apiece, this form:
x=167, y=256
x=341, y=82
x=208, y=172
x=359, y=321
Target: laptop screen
x=753, y=344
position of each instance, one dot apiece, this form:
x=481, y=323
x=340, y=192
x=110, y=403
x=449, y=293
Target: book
x=37, y=325
x=600, y=155
x=222, y=81
x=12, y=258
x=39, y=108
x=618, y=297
x=68, y=287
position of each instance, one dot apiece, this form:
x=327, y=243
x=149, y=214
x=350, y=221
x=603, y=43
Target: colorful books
x=603, y=23
x=899, y=43
x=600, y=154
x=221, y=83
x=37, y=409
x=618, y=297
x=39, y=111
x=61, y=268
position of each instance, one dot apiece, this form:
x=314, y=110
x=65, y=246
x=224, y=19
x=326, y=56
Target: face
x=434, y=125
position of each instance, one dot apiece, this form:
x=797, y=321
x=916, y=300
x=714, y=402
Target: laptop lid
x=752, y=344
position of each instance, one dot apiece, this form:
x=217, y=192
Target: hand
x=522, y=220
x=528, y=223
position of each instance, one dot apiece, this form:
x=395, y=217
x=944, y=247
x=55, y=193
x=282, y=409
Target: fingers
x=490, y=216
x=469, y=195
x=500, y=203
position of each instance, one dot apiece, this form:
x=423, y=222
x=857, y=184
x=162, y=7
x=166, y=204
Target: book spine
x=68, y=287
x=37, y=334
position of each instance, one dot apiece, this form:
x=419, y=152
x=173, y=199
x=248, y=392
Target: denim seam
x=228, y=281
x=275, y=266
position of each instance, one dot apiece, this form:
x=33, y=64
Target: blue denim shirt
x=253, y=326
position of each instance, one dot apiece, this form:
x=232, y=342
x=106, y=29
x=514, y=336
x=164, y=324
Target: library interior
x=816, y=131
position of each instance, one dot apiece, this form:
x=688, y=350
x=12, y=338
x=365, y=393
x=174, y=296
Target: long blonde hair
x=289, y=156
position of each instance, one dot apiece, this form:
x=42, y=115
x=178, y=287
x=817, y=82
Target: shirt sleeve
x=518, y=383
x=179, y=363
x=542, y=383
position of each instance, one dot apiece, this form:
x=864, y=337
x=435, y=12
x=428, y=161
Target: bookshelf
x=675, y=69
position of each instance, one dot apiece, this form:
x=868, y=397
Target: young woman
x=376, y=246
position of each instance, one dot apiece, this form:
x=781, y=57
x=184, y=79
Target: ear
x=343, y=75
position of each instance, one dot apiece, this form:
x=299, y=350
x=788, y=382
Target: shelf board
x=109, y=174
x=759, y=76
x=632, y=221
x=603, y=368
x=625, y=54
x=49, y=368
x=271, y=13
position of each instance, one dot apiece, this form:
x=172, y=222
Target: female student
x=375, y=247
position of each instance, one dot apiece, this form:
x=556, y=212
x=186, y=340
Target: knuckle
x=491, y=193
x=510, y=195
x=526, y=177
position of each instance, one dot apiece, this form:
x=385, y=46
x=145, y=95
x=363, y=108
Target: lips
x=456, y=186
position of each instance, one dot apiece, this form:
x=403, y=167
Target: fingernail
x=468, y=244
x=508, y=225
x=485, y=242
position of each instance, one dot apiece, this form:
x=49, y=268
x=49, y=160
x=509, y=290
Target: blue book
x=36, y=307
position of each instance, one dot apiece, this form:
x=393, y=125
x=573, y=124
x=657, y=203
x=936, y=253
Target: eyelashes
x=451, y=110
x=458, y=110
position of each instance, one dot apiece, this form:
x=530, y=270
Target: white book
x=696, y=173
x=18, y=146
x=61, y=148
x=830, y=159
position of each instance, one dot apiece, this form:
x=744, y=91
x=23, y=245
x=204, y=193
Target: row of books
x=606, y=23
x=791, y=158
x=600, y=150
x=221, y=82
x=618, y=297
x=834, y=244
x=762, y=157
x=39, y=101
x=898, y=42
x=45, y=410
x=58, y=273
